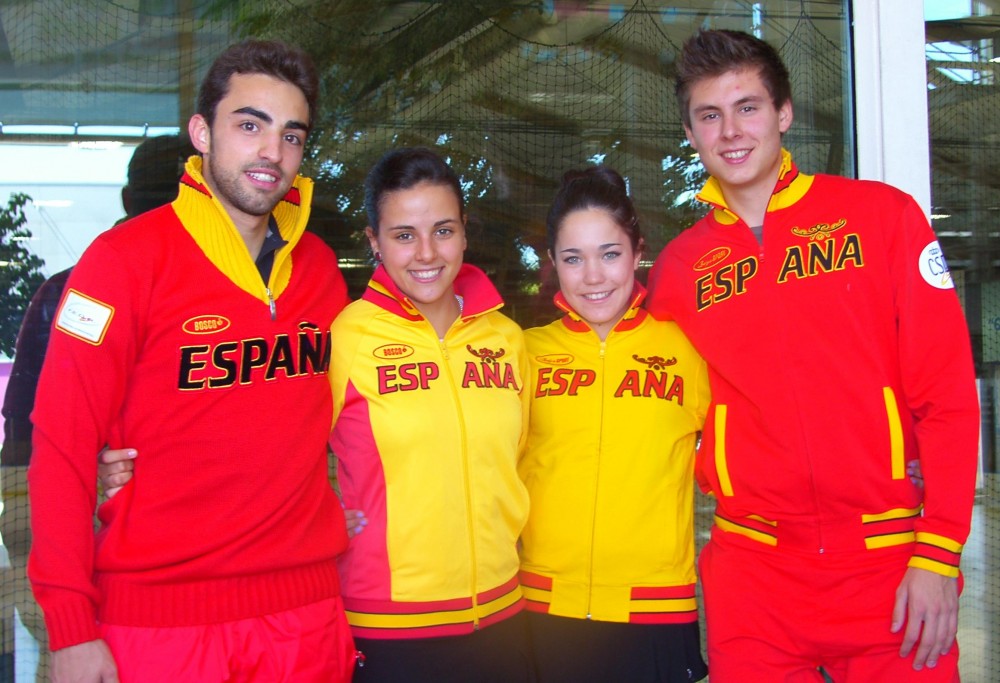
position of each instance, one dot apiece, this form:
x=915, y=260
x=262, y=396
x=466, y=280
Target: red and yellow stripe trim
x=936, y=553
x=753, y=527
x=393, y=619
x=646, y=605
x=889, y=528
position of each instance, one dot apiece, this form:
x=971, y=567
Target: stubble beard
x=228, y=188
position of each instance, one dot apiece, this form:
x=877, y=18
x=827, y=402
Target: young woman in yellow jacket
x=429, y=401
x=617, y=400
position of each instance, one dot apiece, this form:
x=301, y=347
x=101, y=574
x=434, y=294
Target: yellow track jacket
x=609, y=466
x=427, y=434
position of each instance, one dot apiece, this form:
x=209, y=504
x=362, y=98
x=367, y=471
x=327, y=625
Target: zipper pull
x=271, y=305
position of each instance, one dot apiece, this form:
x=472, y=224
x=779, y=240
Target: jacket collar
x=634, y=315
x=208, y=223
x=479, y=295
x=791, y=186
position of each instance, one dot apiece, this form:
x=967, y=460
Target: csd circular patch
x=933, y=267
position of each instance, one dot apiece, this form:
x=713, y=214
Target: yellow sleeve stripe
x=895, y=434
x=932, y=566
x=720, y=451
x=939, y=541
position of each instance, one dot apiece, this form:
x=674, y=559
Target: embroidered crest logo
x=655, y=362
x=489, y=372
x=820, y=231
x=485, y=354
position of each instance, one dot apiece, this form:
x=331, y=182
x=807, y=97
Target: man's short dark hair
x=709, y=54
x=268, y=57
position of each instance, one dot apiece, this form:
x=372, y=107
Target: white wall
x=893, y=134
x=76, y=193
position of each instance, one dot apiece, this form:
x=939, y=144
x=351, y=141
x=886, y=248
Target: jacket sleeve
x=939, y=389
x=527, y=389
x=345, y=342
x=79, y=397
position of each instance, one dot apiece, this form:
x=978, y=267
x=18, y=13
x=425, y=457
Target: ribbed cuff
x=70, y=622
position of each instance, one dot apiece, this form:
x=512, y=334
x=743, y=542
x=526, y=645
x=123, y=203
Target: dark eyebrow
x=738, y=103
x=603, y=247
x=256, y=113
x=266, y=118
x=438, y=224
x=703, y=108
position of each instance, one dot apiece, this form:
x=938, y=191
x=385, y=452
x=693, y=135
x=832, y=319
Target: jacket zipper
x=470, y=527
x=597, y=481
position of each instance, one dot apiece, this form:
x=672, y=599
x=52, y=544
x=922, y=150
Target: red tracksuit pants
x=777, y=615
x=310, y=644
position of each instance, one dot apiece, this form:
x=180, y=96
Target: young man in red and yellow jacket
x=837, y=351
x=198, y=334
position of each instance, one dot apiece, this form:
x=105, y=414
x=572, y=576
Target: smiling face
x=736, y=130
x=596, y=265
x=421, y=239
x=253, y=149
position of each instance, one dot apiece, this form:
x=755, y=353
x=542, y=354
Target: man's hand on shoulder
x=928, y=604
x=89, y=662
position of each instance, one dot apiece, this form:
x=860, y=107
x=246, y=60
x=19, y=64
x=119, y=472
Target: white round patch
x=933, y=267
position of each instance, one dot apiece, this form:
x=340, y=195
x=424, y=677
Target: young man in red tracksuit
x=198, y=333
x=837, y=351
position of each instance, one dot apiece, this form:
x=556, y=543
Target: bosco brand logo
x=393, y=351
x=206, y=324
x=712, y=258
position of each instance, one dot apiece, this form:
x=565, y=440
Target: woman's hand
x=115, y=468
x=356, y=522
